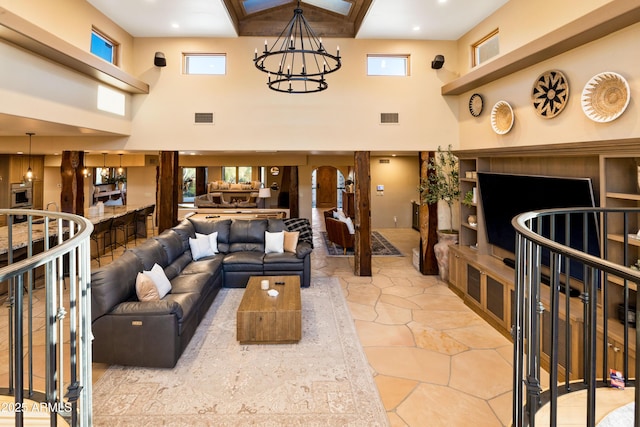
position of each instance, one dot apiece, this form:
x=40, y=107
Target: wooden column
x=168, y=186
x=428, y=223
x=72, y=193
x=294, y=209
x=201, y=180
x=362, y=256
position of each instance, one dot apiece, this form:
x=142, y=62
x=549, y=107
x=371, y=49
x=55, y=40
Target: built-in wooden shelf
x=611, y=17
x=24, y=34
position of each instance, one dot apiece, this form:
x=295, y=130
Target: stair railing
x=56, y=246
x=551, y=235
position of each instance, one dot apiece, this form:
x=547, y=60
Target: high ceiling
x=371, y=19
x=364, y=19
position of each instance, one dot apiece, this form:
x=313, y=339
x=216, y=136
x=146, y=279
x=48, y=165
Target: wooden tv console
x=476, y=270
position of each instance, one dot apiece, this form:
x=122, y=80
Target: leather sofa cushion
x=247, y=235
x=283, y=258
x=178, y=265
x=185, y=230
x=205, y=226
x=141, y=308
x=243, y=261
x=303, y=249
x=191, y=283
x=187, y=301
x=114, y=283
x=150, y=252
x=275, y=224
x=209, y=264
x=171, y=243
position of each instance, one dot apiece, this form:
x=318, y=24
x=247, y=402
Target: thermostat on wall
x=380, y=188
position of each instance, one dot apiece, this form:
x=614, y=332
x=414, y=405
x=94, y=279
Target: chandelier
x=297, y=61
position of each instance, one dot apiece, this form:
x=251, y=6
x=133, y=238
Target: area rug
x=379, y=246
x=324, y=380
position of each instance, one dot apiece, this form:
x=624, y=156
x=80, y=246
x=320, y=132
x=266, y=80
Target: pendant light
x=29, y=175
x=105, y=171
x=120, y=170
x=85, y=170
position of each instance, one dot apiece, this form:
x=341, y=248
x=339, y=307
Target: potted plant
x=443, y=184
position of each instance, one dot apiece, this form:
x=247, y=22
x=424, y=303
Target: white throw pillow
x=213, y=240
x=159, y=279
x=200, y=247
x=273, y=242
x=341, y=214
x=350, y=226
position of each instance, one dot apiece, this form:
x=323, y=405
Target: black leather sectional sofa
x=155, y=333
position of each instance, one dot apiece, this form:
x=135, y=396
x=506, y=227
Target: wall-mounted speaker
x=437, y=62
x=159, y=60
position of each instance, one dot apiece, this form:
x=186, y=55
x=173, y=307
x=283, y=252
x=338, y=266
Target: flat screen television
x=504, y=196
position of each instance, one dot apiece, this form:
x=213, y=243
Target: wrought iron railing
x=50, y=250
x=557, y=247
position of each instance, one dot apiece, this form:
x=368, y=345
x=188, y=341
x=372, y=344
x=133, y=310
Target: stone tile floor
x=435, y=361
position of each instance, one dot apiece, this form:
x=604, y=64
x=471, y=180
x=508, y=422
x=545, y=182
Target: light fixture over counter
x=29, y=175
x=297, y=62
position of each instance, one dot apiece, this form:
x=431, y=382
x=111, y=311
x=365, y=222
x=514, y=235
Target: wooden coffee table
x=263, y=319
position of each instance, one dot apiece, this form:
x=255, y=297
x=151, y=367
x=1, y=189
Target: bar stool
x=123, y=223
x=100, y=232
x=142, y=216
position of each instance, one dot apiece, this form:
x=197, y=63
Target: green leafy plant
x=443, y=184
x=468, y=199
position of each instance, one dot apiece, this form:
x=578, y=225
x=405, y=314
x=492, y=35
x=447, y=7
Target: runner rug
x=379, y=246
x=324, y=380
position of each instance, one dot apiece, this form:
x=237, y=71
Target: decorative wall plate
x=605, y=97
x=550, y=93
x=502, y=117
x=476, y=104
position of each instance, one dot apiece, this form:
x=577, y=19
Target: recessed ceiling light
x=175, y=25
x=416, y=28
x=442, y=1
x=19, y=152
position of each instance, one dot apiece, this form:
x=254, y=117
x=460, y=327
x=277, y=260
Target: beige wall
x=522, y=21
x=250, y=117
x=611, y=53
x=72, y=21
x=400, y=177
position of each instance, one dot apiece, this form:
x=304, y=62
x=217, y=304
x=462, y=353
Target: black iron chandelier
x=297, y=61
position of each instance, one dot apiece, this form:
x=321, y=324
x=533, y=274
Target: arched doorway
x=325, y=183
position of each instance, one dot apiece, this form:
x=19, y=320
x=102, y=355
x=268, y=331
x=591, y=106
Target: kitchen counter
x=114, y=212
x=20, y=231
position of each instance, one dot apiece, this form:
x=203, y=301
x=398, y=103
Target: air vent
x=384, y=160
x=203, y=118
x=389, y=118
